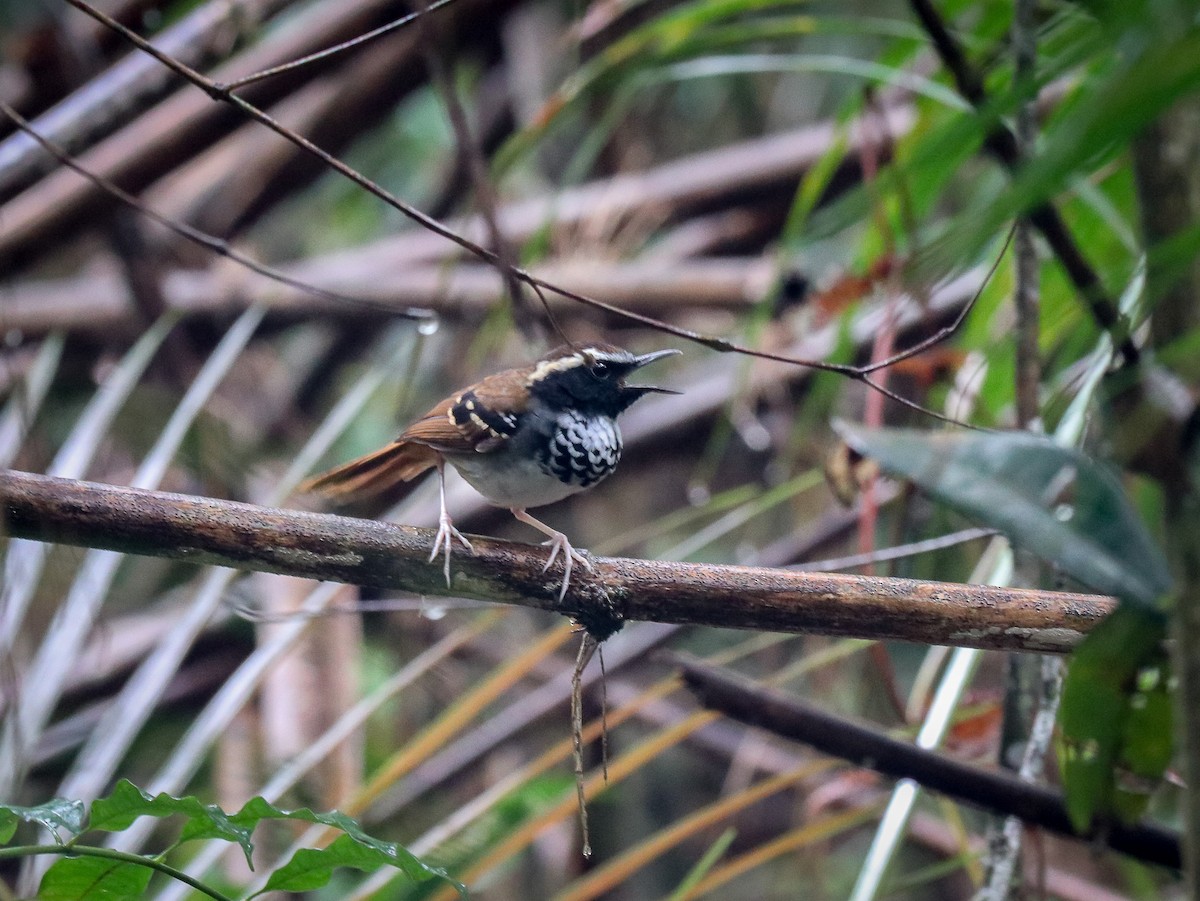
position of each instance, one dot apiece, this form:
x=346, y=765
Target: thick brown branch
x=323, y=546
x=746, y=701
x=184, y=230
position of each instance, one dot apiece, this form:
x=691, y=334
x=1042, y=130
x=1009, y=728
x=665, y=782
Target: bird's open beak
x=641, y=361
x=650, y=358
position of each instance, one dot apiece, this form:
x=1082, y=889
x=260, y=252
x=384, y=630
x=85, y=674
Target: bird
x=522, y=438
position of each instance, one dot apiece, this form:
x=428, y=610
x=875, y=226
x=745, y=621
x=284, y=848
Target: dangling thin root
x=603, y=715
x=587, y=647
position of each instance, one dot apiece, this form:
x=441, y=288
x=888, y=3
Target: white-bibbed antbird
x=522, y=438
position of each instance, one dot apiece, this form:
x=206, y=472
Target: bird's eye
x=600, y=369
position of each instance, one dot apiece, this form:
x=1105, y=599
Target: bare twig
x=729, y=176
x=1021, y=726
x=330, y=52
x=1062, y=882
x=256, y=172
x=722, y=345
x=746, y=701
x=947, y=330
x=321, y=546
x=1026, y=295
x=216, y=245
x=1025, y=300
x=486, y=197
x=187, y=122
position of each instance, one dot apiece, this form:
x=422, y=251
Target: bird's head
x=591, y=377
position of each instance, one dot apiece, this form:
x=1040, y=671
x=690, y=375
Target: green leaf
x=55, y=814
x=367, y=852
x=312, y=868
x=127, y=802
x=1097, y=725
x=1146, y=741
x=1057, y=503
x=94, y=879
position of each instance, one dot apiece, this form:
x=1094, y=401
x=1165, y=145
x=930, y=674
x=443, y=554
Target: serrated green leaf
x=55, y=814
x=312, y=868
x=1094, y=719
x=127, y=802
x=375, y=850
x=1055, y=502
x=94, y=879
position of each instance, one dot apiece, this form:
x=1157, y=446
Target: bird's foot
x=560, y=544
x=446, y=534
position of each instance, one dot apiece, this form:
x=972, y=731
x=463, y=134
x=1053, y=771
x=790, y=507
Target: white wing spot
x=478, y=420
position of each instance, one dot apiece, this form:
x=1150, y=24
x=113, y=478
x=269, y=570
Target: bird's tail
x=371, y=484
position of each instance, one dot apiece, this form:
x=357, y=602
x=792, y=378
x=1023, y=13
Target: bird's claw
x=560, y=544
x=446, y=534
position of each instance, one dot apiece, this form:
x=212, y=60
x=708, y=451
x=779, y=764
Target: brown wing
x=477, y=420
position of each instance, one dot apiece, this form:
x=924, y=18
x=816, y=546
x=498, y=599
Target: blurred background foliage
x=809, y=178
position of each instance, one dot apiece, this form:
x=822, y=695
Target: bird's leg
x=446, y=532
x=559, y=543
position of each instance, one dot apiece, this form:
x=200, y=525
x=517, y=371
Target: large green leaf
x=1147, y=741
x=94, y=879
x=128, y=802
x=1114, y=740
x=1115, y=735
x=353, y=849
x=312, y=868
x=1057, y=503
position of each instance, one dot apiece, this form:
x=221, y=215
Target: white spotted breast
x=581, y=449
